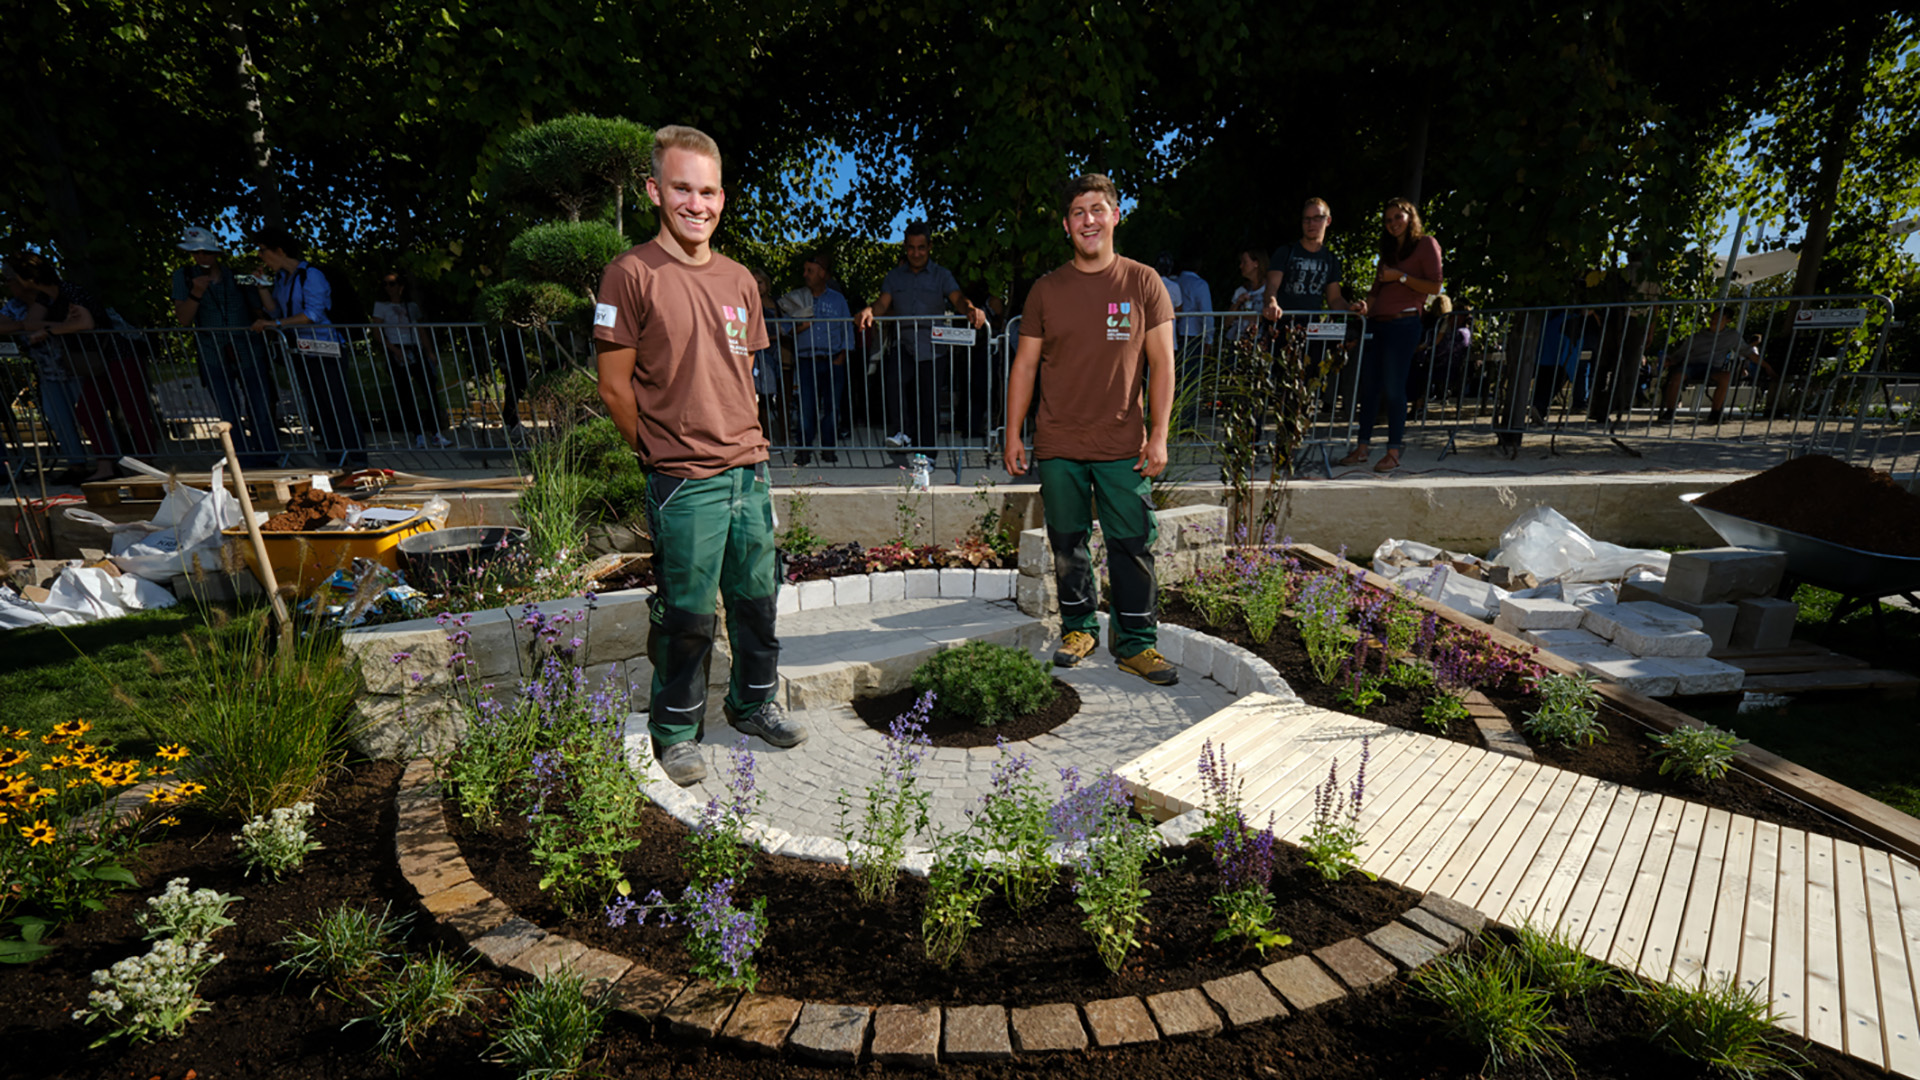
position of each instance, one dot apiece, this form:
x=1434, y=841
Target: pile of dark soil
x=309, y=510
x=1829, y=499
x=824, y=944
x=880, y=713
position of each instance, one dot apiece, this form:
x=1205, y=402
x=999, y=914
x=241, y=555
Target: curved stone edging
x=914, y=1035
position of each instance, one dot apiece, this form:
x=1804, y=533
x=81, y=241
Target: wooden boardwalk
x=1828, y=929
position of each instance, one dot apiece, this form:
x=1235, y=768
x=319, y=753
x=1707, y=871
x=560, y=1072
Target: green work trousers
x=710, y=536
x=1069, y=489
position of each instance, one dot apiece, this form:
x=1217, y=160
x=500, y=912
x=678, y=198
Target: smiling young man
x=1095, y=332
x=676, y=328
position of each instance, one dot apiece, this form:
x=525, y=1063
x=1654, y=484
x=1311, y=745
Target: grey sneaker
x=771, y=723
x=682, y=763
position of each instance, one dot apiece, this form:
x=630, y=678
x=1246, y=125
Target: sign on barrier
x=318, y=347
x=953, y=335
x=1808, y=319
x=1330, y=330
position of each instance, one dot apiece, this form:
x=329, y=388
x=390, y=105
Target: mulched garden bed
x=1624, y=757
x=263, y=1027
x=944, y=731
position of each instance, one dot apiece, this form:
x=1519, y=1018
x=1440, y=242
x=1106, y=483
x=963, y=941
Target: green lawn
x=1869, y=743
x=51, y=674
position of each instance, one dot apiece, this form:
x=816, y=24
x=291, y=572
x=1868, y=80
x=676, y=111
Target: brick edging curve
x=918, y=1036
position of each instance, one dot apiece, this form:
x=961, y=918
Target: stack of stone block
x=1730, y=590
x=1190, y=537
x=1646, y=647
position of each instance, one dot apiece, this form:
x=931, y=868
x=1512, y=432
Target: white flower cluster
x=278, y=842
x=189, y=916
x=153, y=994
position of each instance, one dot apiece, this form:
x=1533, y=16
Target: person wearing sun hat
x=233, y=363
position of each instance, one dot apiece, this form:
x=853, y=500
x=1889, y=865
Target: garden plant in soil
x=547, y=822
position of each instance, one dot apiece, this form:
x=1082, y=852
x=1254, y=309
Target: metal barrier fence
x=831, y=393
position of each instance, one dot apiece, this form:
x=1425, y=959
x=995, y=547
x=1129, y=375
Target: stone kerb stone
x=1714, y=575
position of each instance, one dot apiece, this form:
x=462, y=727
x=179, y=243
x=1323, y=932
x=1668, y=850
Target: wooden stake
x=267, y=579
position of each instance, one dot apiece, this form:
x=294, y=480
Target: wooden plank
x=1506, y=861
x=1499, y=825
x=1862, y=679
x=1722, y=959
x=1389, y=804
x=1635, y=896
x=1292, y=812
x=1255, y=744
x=1826, y=1010
x=1899, y=1017
x=1785, y=665
x=1906, y=888
x=1859, y=990
x=1789, y=979
x=1431, y=794
x=1756, y=940
x=1286, y=792
x=1676, y=884
x=1590, y=914
x=1689, y=957
x=1165, y=768
x=1471, y=789
x=1563, y=854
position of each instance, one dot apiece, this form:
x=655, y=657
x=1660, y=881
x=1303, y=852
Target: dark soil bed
x=1624, y=757
x=880, y=713
x=261, y=1026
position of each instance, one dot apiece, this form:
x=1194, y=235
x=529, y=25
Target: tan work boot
x=1151, y=666
x=1075, y=647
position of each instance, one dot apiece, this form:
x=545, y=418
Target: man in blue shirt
x=820, y=347
x=301, y=301
x=920, y=290
x=233, y=363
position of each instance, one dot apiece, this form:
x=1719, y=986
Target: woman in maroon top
x=1409, y=274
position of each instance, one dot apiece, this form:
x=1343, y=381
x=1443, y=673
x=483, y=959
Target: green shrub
x=531, y=303
x=986, y=683
x=549, y=1026
x=1704, y=753
x=572, y=253
x=344, y=947
x=1729, y=1028
x=573, y=164
x=615, y=485
x=1569, y=711
x=407, y=1002
x=1489, y=1003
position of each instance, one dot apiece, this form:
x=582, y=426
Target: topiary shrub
x=985, y=683
x=615, y=484
x=572, y=253
x=531, y=304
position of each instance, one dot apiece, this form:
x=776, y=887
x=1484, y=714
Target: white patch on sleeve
x=604, y=315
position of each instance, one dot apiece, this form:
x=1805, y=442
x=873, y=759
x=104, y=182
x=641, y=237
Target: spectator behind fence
x=61, y=319
x=1305, y=276
x=413, y=364
x=1250, y=295
x=1563, y=337
x=207, y=295
x=1410, y=272
x=820, y=348
x=922, y=290
x=771, y=364
x=56, y=389
x=300, y=302
x=1195, y=331
x=1706, y=354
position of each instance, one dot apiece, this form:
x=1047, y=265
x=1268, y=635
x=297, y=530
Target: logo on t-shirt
x=1120, y=321
x=735, y=319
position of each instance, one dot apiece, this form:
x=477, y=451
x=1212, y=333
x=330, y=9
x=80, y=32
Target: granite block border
x=692, y=1009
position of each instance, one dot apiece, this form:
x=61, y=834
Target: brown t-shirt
x=1093, y=358
x=695, y=329
x=1395, y=297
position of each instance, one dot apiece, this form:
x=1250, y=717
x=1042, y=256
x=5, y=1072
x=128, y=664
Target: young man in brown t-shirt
x=1101, y=329
x=676, y=328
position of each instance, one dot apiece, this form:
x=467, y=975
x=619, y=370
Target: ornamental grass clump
x=278, y=843
x=985, y=683
x=1110, y=850
x=893, y=807
x=406, y=1003
x=1727, y=1027
x=1703, y=753
x=549, y=1026
x=1569, y=710
x=1554, y=962
x=344, y=948
x=1333, y=839
x=1488, y=1003
x=61, y=852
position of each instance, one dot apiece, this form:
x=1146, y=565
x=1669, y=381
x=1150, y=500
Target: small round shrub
x=986, y=683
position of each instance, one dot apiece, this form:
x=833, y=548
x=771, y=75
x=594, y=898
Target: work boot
x=682, y=763
x=1151, y=666
x=1075, y=647
x=771, y=723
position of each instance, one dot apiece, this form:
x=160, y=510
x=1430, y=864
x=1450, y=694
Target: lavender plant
x=1220, y=792
x=717, y=847
x=956, y=889
x=1214, y=591
x=893, y=807
x=1111, y=850
x=1009, y=830
x=1244, y=858
x=1265, y=602
x=1569, y=710
x=1333, y=839
x=721, y=937
x=582, y=820
x=1361, y=687
x=1320, y=614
